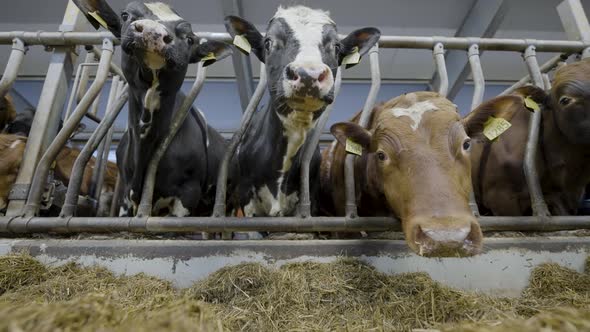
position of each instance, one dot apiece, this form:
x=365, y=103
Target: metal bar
x=73, y=225
x=116, y=196
x=546, y=82
x=482, y=20
x=115, y=70
x=545, y=68
x=304, y=210
x=479, y=83
x=145, y=205
x=36, y=190
x=351, y=210
x=220, y=194
x=85, y=76
x=93, y=117
x=12, y=66
x=438, y=53
x=69, y=207
x=530, y=167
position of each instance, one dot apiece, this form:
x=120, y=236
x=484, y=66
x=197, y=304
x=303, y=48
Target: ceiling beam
x=242, y=65
x=482, y=20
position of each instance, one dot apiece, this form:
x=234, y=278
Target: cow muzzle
x=308, y=86
x=451, y=237
x=154, y=39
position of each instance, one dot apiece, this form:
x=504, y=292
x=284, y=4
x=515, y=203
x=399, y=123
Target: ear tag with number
x=353, y=58
x=494, y=127
x=353, y=147
x=531, y=104
x=242, y=44
x=99, y=19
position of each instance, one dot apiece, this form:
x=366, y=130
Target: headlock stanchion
x=438, y=53
x=12, y=66
x=479, y=83
x=304, y=209
x=145, y=205
x=545, y=68
x=349, y=185
x=36, y=189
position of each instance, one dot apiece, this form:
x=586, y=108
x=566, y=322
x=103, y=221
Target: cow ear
x=100, y=14
x=360, y=41
x=237, y=26
x=210, y=52
x=348, y=130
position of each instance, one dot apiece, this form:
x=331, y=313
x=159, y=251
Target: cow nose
x=154, y=35
x=453, y=241
x=138, y=27
x=312, y=80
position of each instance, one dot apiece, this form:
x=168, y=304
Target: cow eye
x=564, y=101
x=381, y=155
x=190, y=40
x=337, y=48
x=267, y=44
x=125, y=16
x=467, y=144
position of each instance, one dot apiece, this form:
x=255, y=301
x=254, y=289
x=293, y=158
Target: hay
x=344, y=295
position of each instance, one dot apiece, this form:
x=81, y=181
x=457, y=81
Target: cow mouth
x=307, y=103
x=154, y=60
x=431, y=240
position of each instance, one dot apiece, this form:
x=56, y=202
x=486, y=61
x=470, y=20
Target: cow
x=7, y=111
x=301, y=51
x=415, y=165
x=12, y=148
x=158, y=46
x=563, y=150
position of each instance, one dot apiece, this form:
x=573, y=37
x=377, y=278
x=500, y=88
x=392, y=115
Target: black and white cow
x=158, y=46
x=301, y=51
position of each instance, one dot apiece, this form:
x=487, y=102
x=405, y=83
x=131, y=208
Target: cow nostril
x=138, y=27
x=290, y=74
x=168, y=39
x=323, y=76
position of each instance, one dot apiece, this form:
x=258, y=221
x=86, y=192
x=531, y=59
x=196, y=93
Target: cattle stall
x=105, y=239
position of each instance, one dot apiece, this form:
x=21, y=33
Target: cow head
x=570, y=98
x=418, y=158
x=301, y=51
x=7, y=111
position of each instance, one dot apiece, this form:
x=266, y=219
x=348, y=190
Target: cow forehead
x=302, y=16
x=159, y=11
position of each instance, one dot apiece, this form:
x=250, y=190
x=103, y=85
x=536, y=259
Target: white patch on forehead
x=163, y=11
x=414, y=112
x=307, y=25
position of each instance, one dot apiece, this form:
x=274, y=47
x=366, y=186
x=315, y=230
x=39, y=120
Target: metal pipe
x=220, y=193
x=479, y=83
x=32, y=206
x=116, y=196
x=70, y=204
x=145, y=205
x=351, y=210
x=73, y=225
x=546, y=82
x=530, y=167
x=115, y=70
x=85, y=76
x=546, y=67
x=15, y=60
x=438, y=53
x=304, y=210
x=58, y=38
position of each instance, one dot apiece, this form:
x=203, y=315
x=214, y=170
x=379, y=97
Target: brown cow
x=415, y=166
x=12, y=148
x=563, y=152
x=7, y=111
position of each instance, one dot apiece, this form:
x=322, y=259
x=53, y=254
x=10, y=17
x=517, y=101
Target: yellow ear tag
x=531, y=104
x=242, y=44
x=209, y=57
x=99, y=19
x=353, y=147
x=494, y=127
x=353, y=58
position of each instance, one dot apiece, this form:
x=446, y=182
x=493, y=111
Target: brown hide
x=65, y=163
x=416, y=166
x=7, y=111
x=563, y=151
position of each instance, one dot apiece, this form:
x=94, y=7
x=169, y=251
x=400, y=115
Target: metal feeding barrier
x=25, y=219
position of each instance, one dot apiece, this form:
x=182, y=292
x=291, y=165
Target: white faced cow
x=157, y=47
x=301, y=51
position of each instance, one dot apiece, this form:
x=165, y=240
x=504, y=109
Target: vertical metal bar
x=220, y=194
x=351, y=210
x=145, y=205
x=479, y=83
x=441, y=68
x=69, y=207
x=12, y=66
x=546, y=82
x=575, y=22
x=85, y=76
x=304, y=210
x=530, y=168
x=116, y=197
x=36, y=190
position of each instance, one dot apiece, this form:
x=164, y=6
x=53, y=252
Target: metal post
x=546, y=67
x=36, y=190
x=304, y=210
x=220, y=194
x=351, y=210
x=530, y=167
x=479, y=83
x=12, y=66
x=85, y=76
x=51, y=103
x=575, y=22
x=145, y=205
x=116, y=196
x=115, y=106
x=439, y=60
x=546, y=82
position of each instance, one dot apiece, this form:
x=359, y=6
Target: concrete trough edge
x=502, y=269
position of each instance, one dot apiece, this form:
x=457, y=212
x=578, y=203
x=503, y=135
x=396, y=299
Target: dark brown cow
x=415, y=166
x=563, y=151
x=7, y=111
